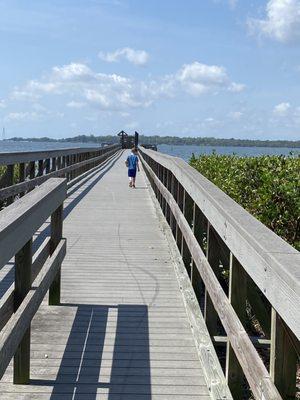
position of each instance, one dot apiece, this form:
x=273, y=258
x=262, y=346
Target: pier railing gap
x=214, y=234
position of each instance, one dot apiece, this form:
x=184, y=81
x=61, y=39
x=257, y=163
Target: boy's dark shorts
x=132, y=173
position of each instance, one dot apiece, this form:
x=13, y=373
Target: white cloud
x=281, y=109
x=197, y=78
x=73, y=71
x=282, y=21
x=137, y=57
x=2, y=104
x=115, y=92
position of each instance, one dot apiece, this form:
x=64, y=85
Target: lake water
x=185, y=152
x=182, y=151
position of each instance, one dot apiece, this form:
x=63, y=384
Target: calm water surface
x=185, y=152
x=182, y=151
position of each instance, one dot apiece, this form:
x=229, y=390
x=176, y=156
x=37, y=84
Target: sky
x=222, y=68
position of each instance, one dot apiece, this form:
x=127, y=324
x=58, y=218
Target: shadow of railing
x=111, y=362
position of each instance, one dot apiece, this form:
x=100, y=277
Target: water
x=186, y=151
x=182, y=151
x=9, y=147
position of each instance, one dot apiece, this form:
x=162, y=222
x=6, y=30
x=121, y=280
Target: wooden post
x=59, y=162
x=32, y=169
x=10, y=181
x=283, y=358
x=237, y=297
x=160, y=176
x=47, y=165
x=173, y=189
x=187, y=212
x=167, y=185
x=56, y=235
x=41, y=168
x=23, y=262
x=21, y=175
x=213, y=257
x=198, y=229
x=180, y=195
x=53, y=167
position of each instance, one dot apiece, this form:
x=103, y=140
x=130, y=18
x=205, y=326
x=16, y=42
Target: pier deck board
x=122, y=332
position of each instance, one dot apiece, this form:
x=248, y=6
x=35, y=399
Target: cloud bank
x=281, y=23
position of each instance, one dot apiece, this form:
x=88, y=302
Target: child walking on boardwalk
x=132, y=163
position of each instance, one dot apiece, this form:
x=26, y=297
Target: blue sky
x=223, y=68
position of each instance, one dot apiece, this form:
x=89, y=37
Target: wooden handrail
x=35, y=168
x=271, y=262
x=187, y=198
x=27, y=156
x=19, y=221
x=33, y=277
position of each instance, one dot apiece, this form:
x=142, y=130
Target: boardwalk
x=122, y=330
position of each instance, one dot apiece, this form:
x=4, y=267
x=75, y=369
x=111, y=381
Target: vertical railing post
x=56, y=235
x=32, y=169
x=21, y=175
x=173, y=192
x=283, y=358
x=10, y=181
x=180, y=194
x=53, y=166
x=40, y=167
x=47, y=161
x=187, y=210
x=167, y=185
x=23, y=262
x=213, y=257
x=237, y=297
x=198, y=230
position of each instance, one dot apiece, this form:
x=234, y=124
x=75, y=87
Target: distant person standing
x=132, y=163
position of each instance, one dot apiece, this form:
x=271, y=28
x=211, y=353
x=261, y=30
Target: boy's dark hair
x=134, y=150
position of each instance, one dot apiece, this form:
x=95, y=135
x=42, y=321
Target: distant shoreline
x=170, y=140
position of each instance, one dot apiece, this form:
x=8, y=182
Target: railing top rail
x=272, y=263
x=20, y=220
x=26, y=156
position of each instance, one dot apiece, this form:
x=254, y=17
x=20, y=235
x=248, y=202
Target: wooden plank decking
x=122, y=332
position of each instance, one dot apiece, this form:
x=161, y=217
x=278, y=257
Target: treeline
x=172, y=140
x=266, y=186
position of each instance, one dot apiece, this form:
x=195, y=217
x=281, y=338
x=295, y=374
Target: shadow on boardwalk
x=85, y=373
x=8, y=279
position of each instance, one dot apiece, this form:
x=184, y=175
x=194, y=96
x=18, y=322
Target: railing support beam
x=56, y=235
x=23, y=262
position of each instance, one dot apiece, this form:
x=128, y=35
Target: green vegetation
x=173, y=140
x=267, y=186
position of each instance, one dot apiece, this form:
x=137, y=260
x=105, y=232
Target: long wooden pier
x=136, y=307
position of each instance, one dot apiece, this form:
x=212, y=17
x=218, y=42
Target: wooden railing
x=35, y=274
x=23, y=171
x=246, y=276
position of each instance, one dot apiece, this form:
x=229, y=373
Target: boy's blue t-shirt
x=132, y=160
